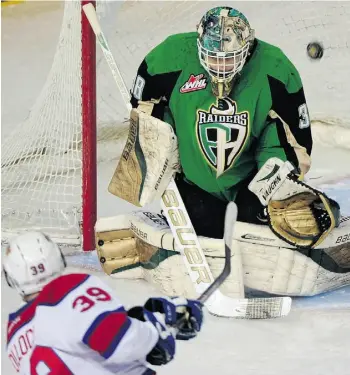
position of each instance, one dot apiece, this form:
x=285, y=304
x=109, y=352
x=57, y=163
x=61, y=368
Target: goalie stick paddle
x=185, y=236
x=230, y=220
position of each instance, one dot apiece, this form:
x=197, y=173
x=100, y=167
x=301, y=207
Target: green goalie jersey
x=264, y=116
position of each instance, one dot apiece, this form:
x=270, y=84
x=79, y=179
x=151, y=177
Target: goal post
x=89, y=140
x=49, y=162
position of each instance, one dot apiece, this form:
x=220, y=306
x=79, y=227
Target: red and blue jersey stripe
x=20, y=318
x=106, y=331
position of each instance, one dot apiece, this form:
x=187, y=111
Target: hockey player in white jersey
x=74, y=323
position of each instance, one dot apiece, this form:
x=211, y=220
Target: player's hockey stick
x=185, y=236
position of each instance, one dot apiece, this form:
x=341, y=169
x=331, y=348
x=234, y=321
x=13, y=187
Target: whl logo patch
x=222, y=132
x=194, y=83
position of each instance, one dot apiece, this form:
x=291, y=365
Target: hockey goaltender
x=225, y=113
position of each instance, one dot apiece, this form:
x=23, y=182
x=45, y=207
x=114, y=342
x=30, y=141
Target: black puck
x=315, y=50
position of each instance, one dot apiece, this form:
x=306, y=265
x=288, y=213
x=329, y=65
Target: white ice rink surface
x=313, y=340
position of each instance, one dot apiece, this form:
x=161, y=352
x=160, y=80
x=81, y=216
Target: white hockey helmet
x=31, y=261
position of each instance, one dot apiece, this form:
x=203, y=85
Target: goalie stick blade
x=250, y=308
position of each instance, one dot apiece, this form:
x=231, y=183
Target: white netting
x=41, y=158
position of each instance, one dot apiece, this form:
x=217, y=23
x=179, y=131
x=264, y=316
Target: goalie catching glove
x=297, y=213
x=174, y=318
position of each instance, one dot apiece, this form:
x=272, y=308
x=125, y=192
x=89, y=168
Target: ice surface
x=313, y=340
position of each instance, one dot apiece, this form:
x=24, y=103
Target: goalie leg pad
x=116, y=250
x=273, y=266
x=150, y=246
x=286, y=271
x=269, y=264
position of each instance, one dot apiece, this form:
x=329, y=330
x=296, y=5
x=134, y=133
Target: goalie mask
x=224, y=41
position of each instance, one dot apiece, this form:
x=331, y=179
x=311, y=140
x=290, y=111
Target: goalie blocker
x=145, y=169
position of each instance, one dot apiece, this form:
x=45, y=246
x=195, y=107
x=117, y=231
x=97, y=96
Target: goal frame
x=89, y=131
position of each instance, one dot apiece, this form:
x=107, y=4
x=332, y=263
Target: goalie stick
x=185, y=236
x=230, y=220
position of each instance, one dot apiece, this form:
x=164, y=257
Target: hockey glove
x=164, y=350
x=297, y=213
x=186, y=316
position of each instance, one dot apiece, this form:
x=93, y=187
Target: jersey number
x=44, y=361
x=138, y=87
x=90, y=298
x=304, y=119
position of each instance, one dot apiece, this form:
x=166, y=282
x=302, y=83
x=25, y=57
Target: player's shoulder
x=274, y=60
x=20, y=318
x=175, y=52
x=187, y=40
x=56, y=290
x=51, y=295
x=270, y=50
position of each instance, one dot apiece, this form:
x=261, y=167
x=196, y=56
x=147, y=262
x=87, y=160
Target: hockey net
x=42, y=157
